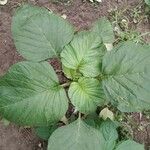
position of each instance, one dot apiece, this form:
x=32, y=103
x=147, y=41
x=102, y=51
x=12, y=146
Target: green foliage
x=124, y=29
x=129, y=73
x=76, y=136
x=103, y=28
x=31, y=93
x=86, y=94
x=38, y=30
x=147, y=2
x=84, y=53
x=82, y=136
x=109, y=131
x=46, y=131
x=129, y=144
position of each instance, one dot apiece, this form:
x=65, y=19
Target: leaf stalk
x=67, y=84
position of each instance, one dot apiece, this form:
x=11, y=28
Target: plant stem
x=64, y=120
x=58, y=71
x=79, y=115
x=144, y=34
x=67, y=84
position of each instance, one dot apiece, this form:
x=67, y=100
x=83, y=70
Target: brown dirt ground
x=82, y=15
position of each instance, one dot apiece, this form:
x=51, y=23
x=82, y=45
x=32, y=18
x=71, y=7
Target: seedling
x=124, y=25
x=31, y=93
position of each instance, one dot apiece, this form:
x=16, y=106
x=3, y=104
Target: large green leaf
x=109, y=131
x=86, y=94
x=104, y=29
x=84, y=54
x=127, y=77
x=108, y=128
x=23, y=13
x=130, y=145
x=30, y=95
x=76, y=136
x=39, y=34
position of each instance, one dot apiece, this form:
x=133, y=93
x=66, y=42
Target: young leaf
x=84, y=54
x=76, y=136
x=104, y=29
x=45, y=132
x=39, y=34
x=127, y=77
x=130, y=145
x=106, y=113
x=86, y=94
x=109, y=131
x=70, y=73
x=30, y=95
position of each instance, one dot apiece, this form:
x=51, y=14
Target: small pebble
x=64, y=16
x=3, y=2
x=40, y=144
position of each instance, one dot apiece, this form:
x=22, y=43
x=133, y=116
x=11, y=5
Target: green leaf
x=45, y=132
x=127, y=77
x=39, y=34
x=30, y=95
x=130, y=145
x=84, y=54
x=23, y=13
x=106, y=113
x=70, y=73
x=147, y=2
x=104, y=29
x=86, y=94
x=109, y=130
x=76, y=136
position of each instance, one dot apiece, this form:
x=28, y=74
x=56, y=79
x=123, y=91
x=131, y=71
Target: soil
x=81, y=15
x=17, y=138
